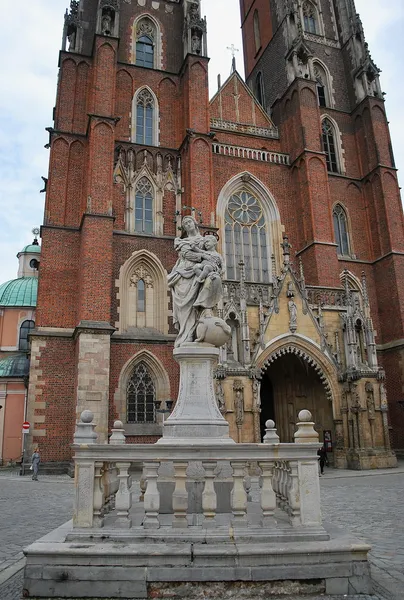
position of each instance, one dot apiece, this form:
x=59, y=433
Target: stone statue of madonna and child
x=196, y=286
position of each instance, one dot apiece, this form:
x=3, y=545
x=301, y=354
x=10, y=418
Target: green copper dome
x=16, y=365
x=31, y=248
x=19, y=292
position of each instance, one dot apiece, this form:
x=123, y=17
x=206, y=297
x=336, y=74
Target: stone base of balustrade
x=67, y=565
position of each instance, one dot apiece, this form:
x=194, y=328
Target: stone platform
x=162, y=564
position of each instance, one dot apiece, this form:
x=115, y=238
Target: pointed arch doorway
x=290, y=384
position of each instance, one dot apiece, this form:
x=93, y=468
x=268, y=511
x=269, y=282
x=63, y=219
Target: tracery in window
x=257, y=33
x=145, y=43
x=246, y=238
x=144, y=194
x=310, y=18
x=341, y=230
x=24, y=343
x=329, y=146
x=141, y=396
x=145, y=118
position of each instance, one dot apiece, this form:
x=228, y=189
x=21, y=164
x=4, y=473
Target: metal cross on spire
x=233, y=51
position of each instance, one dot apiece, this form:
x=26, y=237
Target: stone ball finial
x=305, y=416
x=118, y=425
x=270, y=424
x=86, y=416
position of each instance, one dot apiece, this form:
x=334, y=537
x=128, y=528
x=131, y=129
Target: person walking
x=322, y=459
x=35, y=460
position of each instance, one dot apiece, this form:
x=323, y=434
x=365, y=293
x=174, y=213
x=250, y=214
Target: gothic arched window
x=310, y=18
x=24, y=342
x=144, y=206
x=341, y=230
x=329, y=146
x=257, y=33
x=246, y=238
x=145, y=118
x=323, y=92
x=145, y=43
x=259, y=89
x=141, y=396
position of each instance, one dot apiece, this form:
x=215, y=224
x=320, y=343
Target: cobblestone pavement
x=369, y=505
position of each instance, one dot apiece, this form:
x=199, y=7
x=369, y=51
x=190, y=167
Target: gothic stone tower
x=308, y=63
x=135, y=146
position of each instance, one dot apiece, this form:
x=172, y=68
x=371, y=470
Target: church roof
x=16, y=365
x=19, y=292
x=31, y=248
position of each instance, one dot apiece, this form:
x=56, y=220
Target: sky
x=29, y=46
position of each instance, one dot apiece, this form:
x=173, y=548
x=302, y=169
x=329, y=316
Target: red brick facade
x=87, y=238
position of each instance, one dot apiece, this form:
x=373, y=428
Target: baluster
x=238, y=494
x=268, y=497
x=209, y=499
x=114, y=485
x=123, y=497
x=180, y=495
x=152, y=496
x=99, y=498
x=106, y=481
x=293, y=495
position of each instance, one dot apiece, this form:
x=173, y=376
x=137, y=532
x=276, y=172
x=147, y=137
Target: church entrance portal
x=289, y=385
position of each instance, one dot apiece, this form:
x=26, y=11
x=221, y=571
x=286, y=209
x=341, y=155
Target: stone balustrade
x=251, y=153
x=288, y=480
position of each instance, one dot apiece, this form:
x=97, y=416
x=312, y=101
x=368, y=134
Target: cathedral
x=291, y=170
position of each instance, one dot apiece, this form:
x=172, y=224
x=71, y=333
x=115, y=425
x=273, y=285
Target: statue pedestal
x=196, y=418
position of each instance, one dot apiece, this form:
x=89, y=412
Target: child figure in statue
x=211, y=259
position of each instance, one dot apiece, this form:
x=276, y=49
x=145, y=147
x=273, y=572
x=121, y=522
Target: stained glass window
x=144, y=206
x=246, y=238
x=141, y=395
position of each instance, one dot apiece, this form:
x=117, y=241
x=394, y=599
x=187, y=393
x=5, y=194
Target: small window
x=141, y=296
x=144, y=118
x=259, y=89
x=329, y=146
x=257, y=33
x=322, y=87
x=24, y=342
x=310, y=18
x=144, y=206
x=341, y=230
x=145, y=52
x=141, y=396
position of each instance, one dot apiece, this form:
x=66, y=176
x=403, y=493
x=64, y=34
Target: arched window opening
x=144, y=118
x=246, y=238
x=257, y=33
x=329, y=146
x=310, y=18
x=322, y=88
x=259, y=89
x=144, y=206
x=141, y=396
x=341, y=230
x=145, y=43
x=24, y=341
